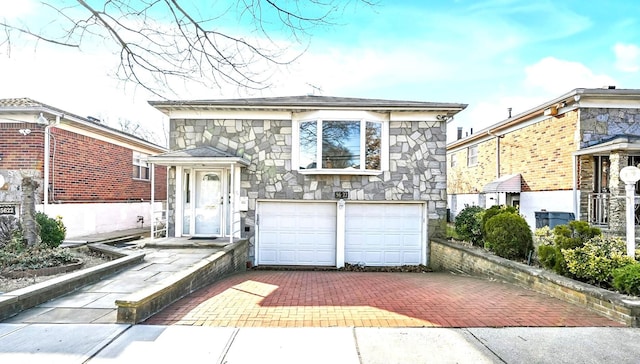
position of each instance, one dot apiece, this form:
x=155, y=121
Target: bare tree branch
x=159, y=42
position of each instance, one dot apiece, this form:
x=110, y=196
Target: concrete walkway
x=110, y=343
x=95, y=303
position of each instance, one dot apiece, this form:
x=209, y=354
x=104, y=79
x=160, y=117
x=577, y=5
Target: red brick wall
x=83, y=169
x=19, y=152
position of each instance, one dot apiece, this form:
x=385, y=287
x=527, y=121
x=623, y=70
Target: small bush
x=627, y=279
x=493, y=211
x=596, y=260
x=509, y=236
x=467, y=225
x=52, y=231
x=574, y=235
x=10, y=230
x=23, y=258
x=550, y=257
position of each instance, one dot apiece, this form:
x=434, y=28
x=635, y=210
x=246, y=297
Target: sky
x=489, y=54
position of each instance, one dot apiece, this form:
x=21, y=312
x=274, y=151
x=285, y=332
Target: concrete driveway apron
x=367, y=299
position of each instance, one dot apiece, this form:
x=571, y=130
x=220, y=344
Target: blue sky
x=491, y=54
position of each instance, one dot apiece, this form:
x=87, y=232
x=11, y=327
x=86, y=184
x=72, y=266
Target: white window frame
x=454, y=160
x=472, y=158
x=341, y=115
x=140, y=162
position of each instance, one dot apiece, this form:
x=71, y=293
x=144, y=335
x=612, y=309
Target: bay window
x=347, y=145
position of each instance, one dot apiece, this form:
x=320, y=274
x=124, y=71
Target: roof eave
x=191, y=161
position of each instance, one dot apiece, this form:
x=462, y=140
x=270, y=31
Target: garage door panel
x=298, y=233
x=383, y=234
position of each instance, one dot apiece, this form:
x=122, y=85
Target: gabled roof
x=571, y=100
x=199, y=155
x=27, y=105
x=307, y=102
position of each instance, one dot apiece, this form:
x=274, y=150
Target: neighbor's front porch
x=602, y=192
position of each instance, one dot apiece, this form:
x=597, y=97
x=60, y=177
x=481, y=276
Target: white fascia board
x=608, y=103
x=19, y=118
x=418, y=115
x=337, y=114
x=198, y=161
x=139, y=146
x=230, y=114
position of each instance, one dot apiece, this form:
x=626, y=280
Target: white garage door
x=302, y=233
x=383, y=234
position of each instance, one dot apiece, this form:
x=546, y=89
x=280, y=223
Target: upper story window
x=341, y=143
x=140, y=166
x=454, y=160
x=472, y=155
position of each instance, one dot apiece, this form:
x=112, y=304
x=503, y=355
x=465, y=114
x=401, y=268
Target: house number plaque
x=7, y=210
x=341, y=194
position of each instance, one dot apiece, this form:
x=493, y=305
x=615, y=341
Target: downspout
x=153, y=200
x=47, y=157
x=498, y=137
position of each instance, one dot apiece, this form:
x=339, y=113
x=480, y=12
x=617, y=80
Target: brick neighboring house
x=98, y=178
x=562, y=156
x=309, y=180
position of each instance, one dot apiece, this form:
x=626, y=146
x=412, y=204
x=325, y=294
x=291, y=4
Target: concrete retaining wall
x=449, y=256
x=139, y=306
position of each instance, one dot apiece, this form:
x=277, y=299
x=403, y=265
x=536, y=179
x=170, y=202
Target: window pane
x=341, y=144
x=308, y=144
x=373, y=139
x=144, y=172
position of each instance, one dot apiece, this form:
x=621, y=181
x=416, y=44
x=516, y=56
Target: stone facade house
x=562, y=157
x=309, y=180
x=94, y=176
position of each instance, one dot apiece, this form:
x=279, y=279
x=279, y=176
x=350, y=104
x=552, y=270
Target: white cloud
x=627, y=57
x=559, y=76
x=12, y=9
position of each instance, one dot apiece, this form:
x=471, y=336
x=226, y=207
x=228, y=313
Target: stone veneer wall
x=417, y=166
x=598, y=125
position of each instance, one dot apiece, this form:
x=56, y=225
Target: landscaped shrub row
x=499, y=229
x=15, y=254
x=575, y=250
x=580, y=252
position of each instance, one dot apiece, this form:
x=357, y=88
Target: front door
x=209, y=203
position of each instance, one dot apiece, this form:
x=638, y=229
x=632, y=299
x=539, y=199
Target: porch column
x=617, y=224
x=585, y=163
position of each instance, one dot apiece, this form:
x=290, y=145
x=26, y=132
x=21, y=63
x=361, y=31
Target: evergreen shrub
x=467, y=224
x=509, y=236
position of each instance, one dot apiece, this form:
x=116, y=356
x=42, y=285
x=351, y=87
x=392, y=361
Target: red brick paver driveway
x=316, y=299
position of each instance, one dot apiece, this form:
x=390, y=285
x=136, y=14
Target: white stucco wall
x=458, y=202
x=555, y=201
x=530, y=202
x=87, y=219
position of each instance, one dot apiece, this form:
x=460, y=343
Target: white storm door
x=208, y=203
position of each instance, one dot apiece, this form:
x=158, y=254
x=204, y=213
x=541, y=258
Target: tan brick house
x=562, y=156
x=98, y=178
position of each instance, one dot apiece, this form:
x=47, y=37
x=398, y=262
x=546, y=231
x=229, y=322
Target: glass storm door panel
x=208, y=202
x=186, y=203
